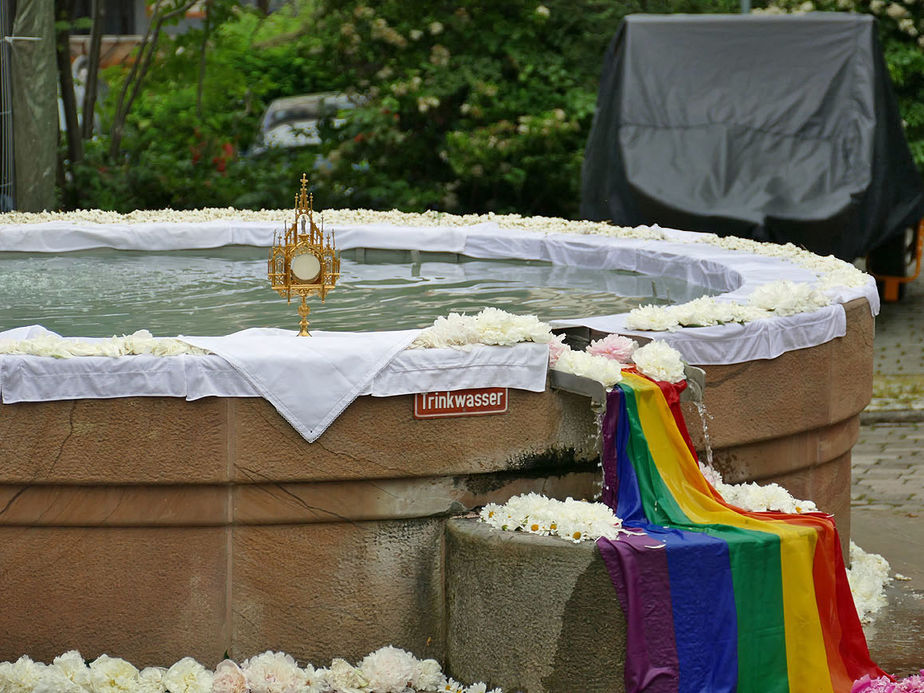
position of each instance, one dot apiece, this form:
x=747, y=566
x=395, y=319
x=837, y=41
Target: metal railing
x=7, y=166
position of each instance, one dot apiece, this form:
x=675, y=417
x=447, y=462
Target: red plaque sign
x=484, y=400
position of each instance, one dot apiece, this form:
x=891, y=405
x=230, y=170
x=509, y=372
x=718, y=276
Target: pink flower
x=557, y=347
x=885, y=684
x=912, y=684
x=613, y=346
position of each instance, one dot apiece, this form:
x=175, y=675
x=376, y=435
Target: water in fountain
x=218, y=291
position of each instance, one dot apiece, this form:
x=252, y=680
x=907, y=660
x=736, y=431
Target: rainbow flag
x=716, y=598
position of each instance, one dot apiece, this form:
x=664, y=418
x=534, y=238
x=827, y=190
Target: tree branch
x=206, y=31
x=89, y=97
x=68, y=100
x=140, y=69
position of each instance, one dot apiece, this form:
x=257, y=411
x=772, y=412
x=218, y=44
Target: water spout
x=703, y=416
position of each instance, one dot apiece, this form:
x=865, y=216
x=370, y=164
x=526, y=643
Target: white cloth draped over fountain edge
x=736, y=274
x=309, y=381
x=262, y=362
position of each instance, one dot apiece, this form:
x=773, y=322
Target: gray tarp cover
x=779, y=128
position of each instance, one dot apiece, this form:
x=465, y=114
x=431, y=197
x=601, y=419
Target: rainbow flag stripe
x=716, y=598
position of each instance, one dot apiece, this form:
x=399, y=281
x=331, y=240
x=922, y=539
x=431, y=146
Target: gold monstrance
x=301, y=263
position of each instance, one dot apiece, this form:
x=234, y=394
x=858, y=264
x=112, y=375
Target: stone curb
x=892, y=416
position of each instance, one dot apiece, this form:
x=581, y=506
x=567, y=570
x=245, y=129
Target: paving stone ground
x=898, y=361
x=888, y=467
x=888, y=459
x=887, y=508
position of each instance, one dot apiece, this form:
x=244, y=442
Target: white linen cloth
x=309, y=380
x=736, y=343
x=61, y=237
x=521, y=366
x=734, y=274
x=44, y=378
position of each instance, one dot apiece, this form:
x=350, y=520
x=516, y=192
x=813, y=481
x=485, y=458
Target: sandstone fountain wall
x=156, y=528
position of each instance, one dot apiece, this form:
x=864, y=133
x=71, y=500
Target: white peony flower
x=151, y=680
x=343, y=677
x=599, y=368
x=390, y=670
x=868, y=575
x=712, y=475
x=761, y=498
x=314, y=680
x=73, y=666
x=112, y=675
x=654, y=318
x=20, y=676
x=188, y=676
x=491, y=326
x=847, y=276
x=273, y=672
x=660, y=361
x=745, y=313
x=52, y=680
x=704, y=312
x=429, y=676
x=229, y=678
x=788, y=298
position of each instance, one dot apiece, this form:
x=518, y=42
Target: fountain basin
x=154, y=528
x=221, y=529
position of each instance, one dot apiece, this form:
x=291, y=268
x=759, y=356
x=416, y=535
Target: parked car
x=292, y=121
